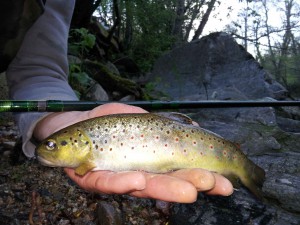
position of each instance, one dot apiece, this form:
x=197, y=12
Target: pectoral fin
x=83, y=168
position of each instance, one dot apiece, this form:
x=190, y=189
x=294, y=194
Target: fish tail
x=254, y=180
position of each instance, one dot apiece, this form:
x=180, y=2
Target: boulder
x=214, y=67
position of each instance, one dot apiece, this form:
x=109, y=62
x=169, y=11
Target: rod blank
x=61, y=106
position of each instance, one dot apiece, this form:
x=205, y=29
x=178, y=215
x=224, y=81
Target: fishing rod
x=61, y=106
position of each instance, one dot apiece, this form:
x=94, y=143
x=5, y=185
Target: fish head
x=69, y=147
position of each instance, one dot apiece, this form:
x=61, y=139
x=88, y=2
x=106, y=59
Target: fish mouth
x=45, y=162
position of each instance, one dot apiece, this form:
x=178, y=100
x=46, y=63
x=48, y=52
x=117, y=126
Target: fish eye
x=50, y=145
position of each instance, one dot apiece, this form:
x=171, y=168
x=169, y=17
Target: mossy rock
x=111, y=81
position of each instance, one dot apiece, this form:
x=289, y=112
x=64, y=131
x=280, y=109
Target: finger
x=167, y=188
x=114, y=108
x=109, y=182
x=222, y=186
x=202, y=179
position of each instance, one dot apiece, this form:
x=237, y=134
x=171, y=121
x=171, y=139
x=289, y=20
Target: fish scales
x=156, y=146
x=148, y=142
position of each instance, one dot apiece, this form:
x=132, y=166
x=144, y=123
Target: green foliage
x=81, y=42
x=152, y=31
x=286, y=72
x=145, y=29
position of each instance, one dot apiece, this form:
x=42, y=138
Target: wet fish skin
x=148, y=142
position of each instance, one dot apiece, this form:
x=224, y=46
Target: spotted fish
x=149, y=142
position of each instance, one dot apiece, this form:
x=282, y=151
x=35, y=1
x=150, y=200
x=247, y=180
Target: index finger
x=114, y=108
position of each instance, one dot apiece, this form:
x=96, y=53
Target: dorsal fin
x=179, y=117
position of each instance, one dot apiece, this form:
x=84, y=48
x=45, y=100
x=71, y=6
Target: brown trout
x=149, y=142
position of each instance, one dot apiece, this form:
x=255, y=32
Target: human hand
x=178, y=186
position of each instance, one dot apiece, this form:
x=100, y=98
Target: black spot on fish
x=63, y=143
x=87, y=142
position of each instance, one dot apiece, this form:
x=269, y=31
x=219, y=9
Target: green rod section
x=61, y=106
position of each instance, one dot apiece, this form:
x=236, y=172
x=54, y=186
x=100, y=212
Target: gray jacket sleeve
x=40, y=68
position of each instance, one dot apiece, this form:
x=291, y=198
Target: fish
x=151, y=142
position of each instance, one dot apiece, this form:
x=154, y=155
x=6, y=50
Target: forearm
x=40, y=69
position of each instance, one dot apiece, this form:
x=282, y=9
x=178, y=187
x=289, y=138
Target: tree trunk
x=204, y=19
x=194, y=11
x=128, y=23
x=179, y=20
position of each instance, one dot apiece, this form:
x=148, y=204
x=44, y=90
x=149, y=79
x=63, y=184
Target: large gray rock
x=214, y=67
x=217, y=68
